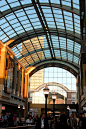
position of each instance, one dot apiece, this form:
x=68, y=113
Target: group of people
x=77, y=122
x=73, y=122
x=7, y=120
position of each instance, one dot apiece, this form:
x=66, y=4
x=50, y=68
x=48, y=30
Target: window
x=73, y=96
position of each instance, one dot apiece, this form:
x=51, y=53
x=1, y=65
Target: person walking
x=63, y=123
x=54, y=123
x=41, y=123
x=74, y=122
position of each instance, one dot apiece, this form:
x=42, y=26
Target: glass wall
x=59, y=75
x=64, y=81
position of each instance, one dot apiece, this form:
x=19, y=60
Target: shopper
x=29, y=120
x=42, y=122
x=74, y=122
x=63, y=122
x=54, y=123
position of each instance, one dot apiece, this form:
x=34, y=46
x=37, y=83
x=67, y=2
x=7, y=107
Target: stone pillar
x=83, y=87
x=83, y=52
x=78, y=93
x=3, y=52
x=77, y=88
x=22, y=83
x=19, y=80
x=15, y=77
x=26, y=94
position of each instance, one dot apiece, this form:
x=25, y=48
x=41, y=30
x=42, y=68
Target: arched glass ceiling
x=42, y=30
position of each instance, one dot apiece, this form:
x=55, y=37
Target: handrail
x=19, y=127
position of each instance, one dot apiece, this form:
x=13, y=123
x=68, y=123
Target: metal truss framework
x=43, y=31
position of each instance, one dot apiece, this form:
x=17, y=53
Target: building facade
x=71, y=97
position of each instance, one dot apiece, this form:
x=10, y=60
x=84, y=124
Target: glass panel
x=62, y=42
x=5, y=25
x=10, y=16
x=68, y=20
x=63, y=54
x=77, y=47
x=76, y=59
x=15, y=4
x=57, y=53
x=44, y=1
x=77, y=23
x=70, y=44
x=55, y=1
x=66, y=2
x=76, y=4
x=5, y=7
x=25, y=2
x=2, y=3
x=55, y=41
x=70, y=56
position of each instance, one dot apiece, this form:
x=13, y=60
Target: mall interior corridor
x=42, y=64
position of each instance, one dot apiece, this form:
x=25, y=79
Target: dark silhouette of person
x=42, y=122
x=84, y=123
x=35, y=120
x=10, y=121
x=54, y=123
x=63, y=122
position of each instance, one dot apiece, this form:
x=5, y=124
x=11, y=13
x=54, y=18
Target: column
x=78, y=92
x=22, y=83
x=15, y=77
x=83, y=52
x=18, y=80
x=26, y=94
x=84, y=79
x=3, y=52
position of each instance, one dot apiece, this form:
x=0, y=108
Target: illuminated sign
x=3, y=107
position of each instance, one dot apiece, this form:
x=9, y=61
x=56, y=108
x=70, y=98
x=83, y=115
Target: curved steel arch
x=31, y=34
x=38, y=50
x=50, y=84
x=74, y=69
x=67, y=8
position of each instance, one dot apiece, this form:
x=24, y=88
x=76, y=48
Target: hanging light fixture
x=18, y=106
x=23, y=107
